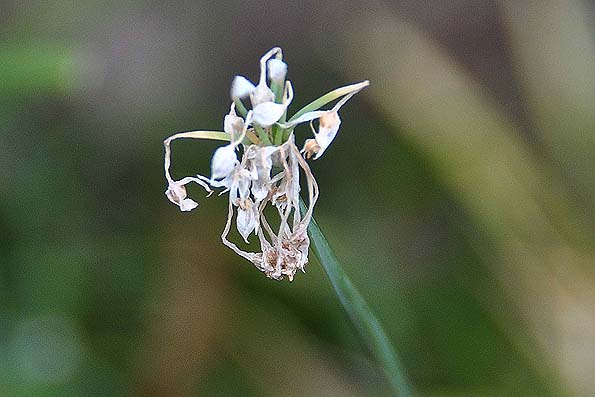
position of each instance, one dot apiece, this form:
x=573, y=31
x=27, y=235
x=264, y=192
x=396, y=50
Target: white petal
x=277, y=69
x=188, y=204
x=223, y=162
x=267, y=113
x=241, y=87
x=246, y=222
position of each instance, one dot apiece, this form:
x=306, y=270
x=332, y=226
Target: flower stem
x=359, y=312
x=240, y=107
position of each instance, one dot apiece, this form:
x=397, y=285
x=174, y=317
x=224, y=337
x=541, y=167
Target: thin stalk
x=240, y=107
x=359, y=312
x=263, y=135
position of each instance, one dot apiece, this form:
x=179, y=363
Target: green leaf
x=212, y=135
x=329, y=97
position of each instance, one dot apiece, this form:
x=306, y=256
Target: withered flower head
x=261, y=166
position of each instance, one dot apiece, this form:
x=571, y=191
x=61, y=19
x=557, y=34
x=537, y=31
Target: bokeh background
x=459, y=195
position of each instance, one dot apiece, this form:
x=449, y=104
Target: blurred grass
x=478, y=154
x=469, y=231
x=48, y=67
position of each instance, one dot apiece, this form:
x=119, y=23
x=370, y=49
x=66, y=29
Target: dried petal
x=329, y=126
x=244, y=182
x=311, y=147
x=176, y=193
x=246, y=221
x=188, y=204
x=259, y=190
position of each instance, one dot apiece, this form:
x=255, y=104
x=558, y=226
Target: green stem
x=240, y=107
x=263, y=135
x=359, y=312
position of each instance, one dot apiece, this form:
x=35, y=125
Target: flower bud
x=277, y=70
x=233, y=125
x=241, y=87
x=223, y=162
x=261, y=94
x=311, y=147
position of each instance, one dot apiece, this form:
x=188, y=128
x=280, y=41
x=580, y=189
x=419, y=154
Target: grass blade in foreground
x=359, y=312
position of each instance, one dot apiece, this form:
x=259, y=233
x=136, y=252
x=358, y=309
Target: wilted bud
x=311, y=147
x=233, y=124
x=277, y=70
x=176, y=193
x=241, y=87
x=261, y=94
x=223, y=162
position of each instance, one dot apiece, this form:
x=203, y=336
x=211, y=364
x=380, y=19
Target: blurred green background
x=459, y=195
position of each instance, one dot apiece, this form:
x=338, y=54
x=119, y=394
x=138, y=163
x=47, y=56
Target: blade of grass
x=359, y=312
x=212, y=135
x=329, y=97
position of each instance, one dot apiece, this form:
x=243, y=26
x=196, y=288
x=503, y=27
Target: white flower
x=241, y=87
x=266, y=111
x=176, y=193
x=223, y=162
x=277, y=70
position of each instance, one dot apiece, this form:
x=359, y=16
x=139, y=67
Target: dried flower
x=267, y=171
x=176, y=193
